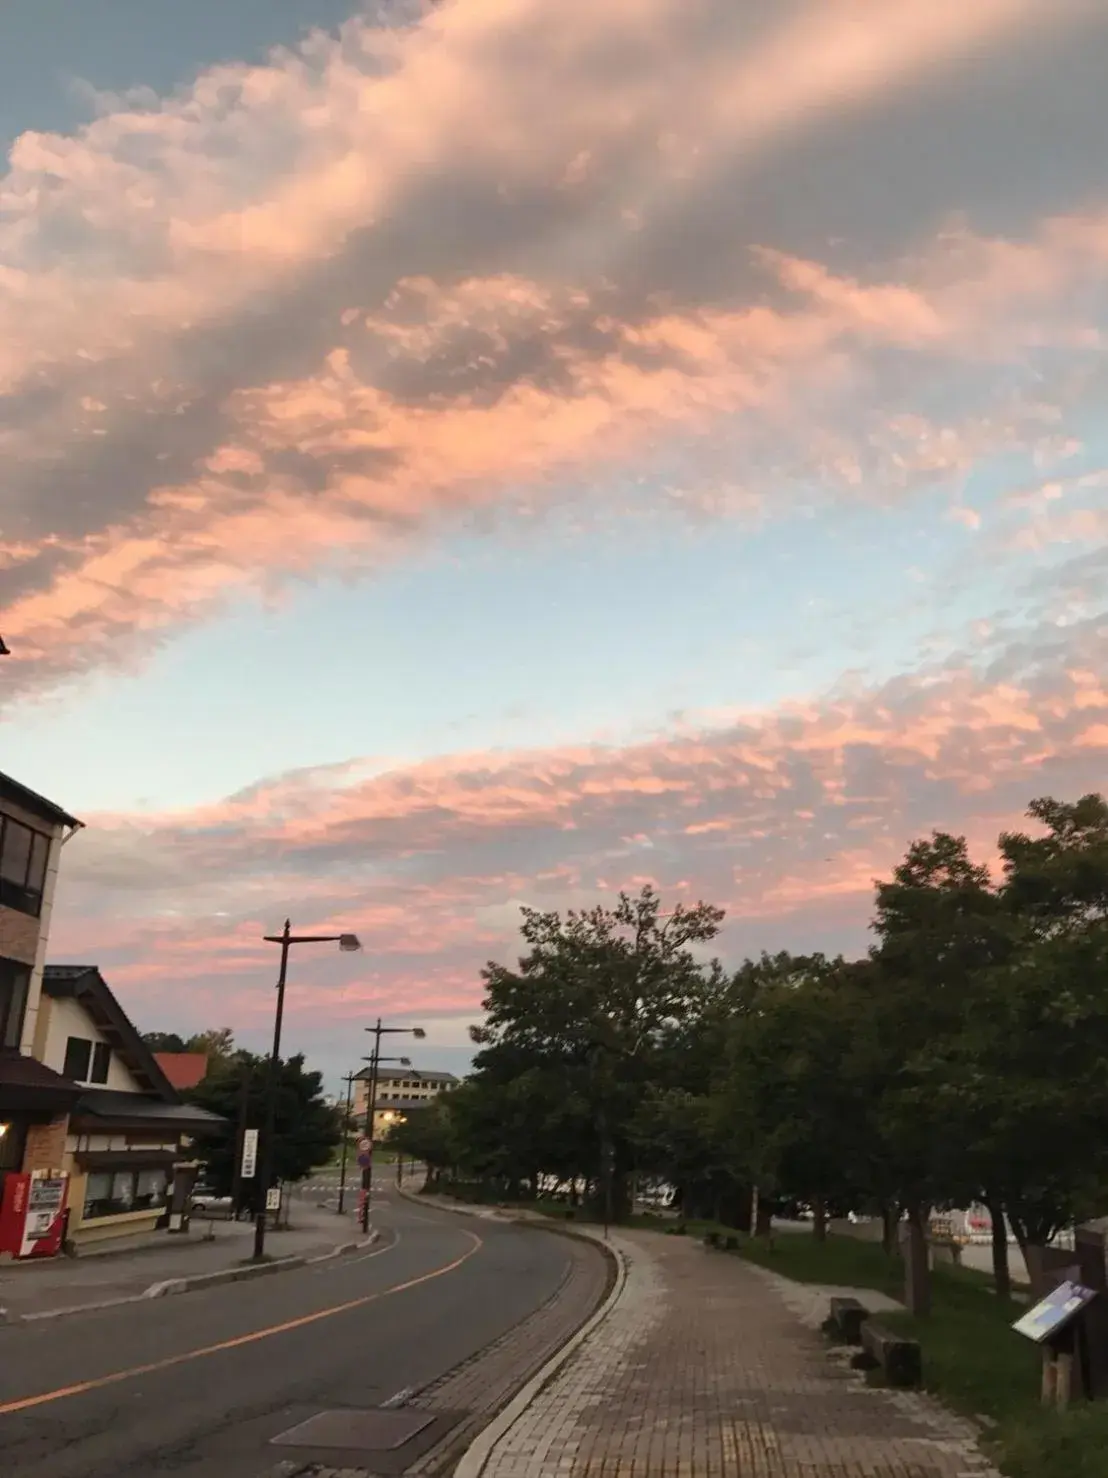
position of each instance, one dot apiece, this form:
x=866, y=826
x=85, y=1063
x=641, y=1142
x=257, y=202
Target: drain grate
x=358, y=1431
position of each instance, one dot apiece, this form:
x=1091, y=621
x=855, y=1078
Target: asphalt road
x=200, y=1384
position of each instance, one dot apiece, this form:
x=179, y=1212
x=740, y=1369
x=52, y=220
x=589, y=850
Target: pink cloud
x=173, y=465
x=784, y=817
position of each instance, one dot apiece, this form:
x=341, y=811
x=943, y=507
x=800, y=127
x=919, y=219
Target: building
x=128, y=1128
x=399, y=1090
x=34, y=1099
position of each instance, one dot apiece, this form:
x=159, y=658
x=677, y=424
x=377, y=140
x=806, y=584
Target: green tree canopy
x=308, y=1128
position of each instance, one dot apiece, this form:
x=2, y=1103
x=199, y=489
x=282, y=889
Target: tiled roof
x=27, y=1085
x=17, y=1071
x=392, y=1074
x=183, y=1069
x=105, y=1103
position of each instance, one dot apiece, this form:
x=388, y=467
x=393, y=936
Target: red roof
x=183, y=1069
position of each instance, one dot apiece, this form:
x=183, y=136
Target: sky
x=495, y=453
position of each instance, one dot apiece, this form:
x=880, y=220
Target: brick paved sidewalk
x=707, y=1367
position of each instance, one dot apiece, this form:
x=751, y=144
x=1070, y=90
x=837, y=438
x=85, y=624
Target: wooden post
x=1064, y=1380
x=1050, y=1376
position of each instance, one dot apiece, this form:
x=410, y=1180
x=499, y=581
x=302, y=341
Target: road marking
x=336, y=1264
x=25, y=1403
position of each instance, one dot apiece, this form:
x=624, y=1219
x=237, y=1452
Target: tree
x=217, y=1044
x=591, y=1001
x=428, y=1136
x=1030, y=1070
x=807, y=1117
x=308, y=1128
x=940, y=925
x=164, y=1041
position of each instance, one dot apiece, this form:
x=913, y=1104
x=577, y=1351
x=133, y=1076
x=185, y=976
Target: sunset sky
x=506, y=451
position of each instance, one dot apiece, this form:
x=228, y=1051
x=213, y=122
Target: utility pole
x=270, y=1131
x=378, y=1031
x=349, y=1081
x=286, y=939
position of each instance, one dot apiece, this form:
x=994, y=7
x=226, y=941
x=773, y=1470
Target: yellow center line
x=98, y=1382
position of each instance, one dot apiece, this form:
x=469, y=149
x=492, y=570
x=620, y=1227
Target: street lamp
x=286, y=939
x=379, y=1031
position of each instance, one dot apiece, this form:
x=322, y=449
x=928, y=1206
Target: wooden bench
x=846, y=1319
x=897, y=1358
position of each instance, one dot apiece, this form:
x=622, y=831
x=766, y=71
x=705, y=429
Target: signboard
x=365, y=1153
x=249, y=1154
x=273, y=1198
x=1051, y=1314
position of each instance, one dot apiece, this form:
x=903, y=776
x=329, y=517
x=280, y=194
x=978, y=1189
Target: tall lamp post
x=379, y=1030
x=349, y=1081
x=286, y=939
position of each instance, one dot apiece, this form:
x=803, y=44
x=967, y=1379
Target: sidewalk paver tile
x=708, y=1367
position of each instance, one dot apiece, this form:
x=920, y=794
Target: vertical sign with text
x=249, y=1154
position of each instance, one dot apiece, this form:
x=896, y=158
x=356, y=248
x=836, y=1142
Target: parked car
x=207, y=1202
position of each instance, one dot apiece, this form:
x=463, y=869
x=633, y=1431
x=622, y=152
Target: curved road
x=201, y=1384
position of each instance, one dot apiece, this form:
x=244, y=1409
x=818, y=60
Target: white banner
x=249, y=1154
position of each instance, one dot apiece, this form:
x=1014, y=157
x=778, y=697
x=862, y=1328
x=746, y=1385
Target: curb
x=171, y=1287
x=476, y=1456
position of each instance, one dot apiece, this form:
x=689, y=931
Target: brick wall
x=45, y=1148
x=19, y=935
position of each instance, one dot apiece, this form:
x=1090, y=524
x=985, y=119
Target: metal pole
x=240, y=1139
x=345, y=1143
x=270, y=1131
x=371, y=1105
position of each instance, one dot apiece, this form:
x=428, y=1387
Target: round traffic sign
x=364, y=1145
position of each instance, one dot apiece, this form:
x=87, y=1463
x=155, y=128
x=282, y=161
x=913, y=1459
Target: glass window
x=98, y=1194
x=151, y=1189
x=101, y=1061
x=15, y=851
x=123, y=1189
x=23, y=855
x=40, y=853
x=15, y=979
x=78, y=1056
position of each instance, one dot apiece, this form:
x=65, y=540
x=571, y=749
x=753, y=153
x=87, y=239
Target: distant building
x=399, y=1091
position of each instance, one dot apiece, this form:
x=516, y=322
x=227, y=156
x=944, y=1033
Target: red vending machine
x=32, y=1213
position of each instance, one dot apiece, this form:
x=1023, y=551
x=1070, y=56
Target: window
x=115, y=1192
x=101, y=1061
x=78, y=1057
x=14, y=981
x=23, y=857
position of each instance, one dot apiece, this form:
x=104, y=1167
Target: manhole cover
x=369, y=1431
